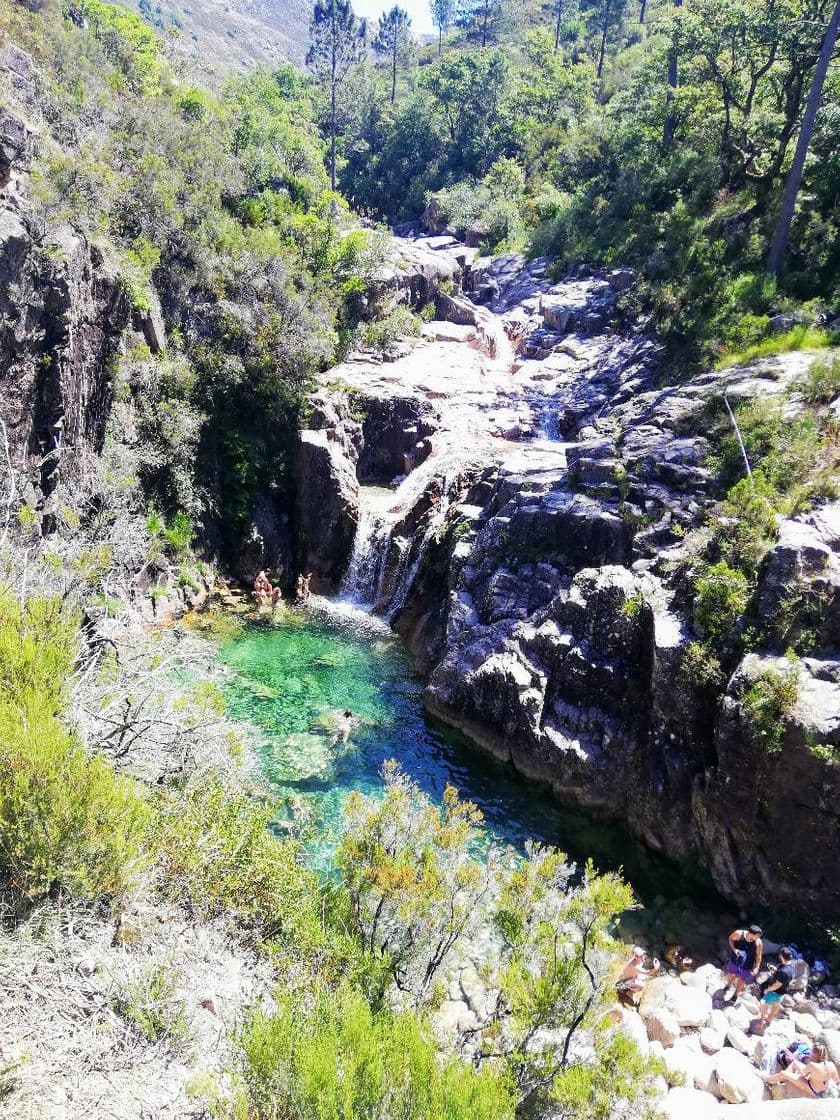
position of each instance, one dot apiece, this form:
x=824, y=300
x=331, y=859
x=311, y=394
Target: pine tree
x=443, y=14
x=337, y=41
x=606, y=18
x=485, y=20
x=393, y=40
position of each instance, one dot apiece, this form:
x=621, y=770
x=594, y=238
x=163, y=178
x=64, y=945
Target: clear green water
x=288, y=675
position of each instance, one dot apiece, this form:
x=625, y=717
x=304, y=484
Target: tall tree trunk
x=484, y=23
x=333, y=86
x=559, y=25
x=604, y=30
x=673, y=81
x=440, y=40
x=394, y=72
x=794, y=181
x=332, y=135
x=642, y=10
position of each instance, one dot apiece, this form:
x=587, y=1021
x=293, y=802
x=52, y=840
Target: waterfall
x=360, y=585
x=380, y=512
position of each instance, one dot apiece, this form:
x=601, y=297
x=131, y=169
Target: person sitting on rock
x=634, y=977
x=262, y=588
x=300, y=588
x=817, y=1077
x=307, y=580
x=775, y=986
x=745, y=949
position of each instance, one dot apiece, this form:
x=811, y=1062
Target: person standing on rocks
x=773, y=989
x=745, y=951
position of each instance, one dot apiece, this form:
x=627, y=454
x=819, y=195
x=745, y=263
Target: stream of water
x=289, y=675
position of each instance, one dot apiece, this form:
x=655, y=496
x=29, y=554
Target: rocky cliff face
x=62, y=313
x=531, y=556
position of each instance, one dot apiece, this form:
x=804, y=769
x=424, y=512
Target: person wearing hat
x=634, y=977
x=745, y=950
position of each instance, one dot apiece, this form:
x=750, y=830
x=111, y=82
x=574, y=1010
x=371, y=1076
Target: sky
x=421, y=19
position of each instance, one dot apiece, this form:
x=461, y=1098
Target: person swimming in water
x=343, y=728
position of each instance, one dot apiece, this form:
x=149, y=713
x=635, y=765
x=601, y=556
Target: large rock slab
x=690, y=1007
x=327, y=508
x=737, y=1079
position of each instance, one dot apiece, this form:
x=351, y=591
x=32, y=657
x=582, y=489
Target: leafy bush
x=821, y=384
x=150, y=1006
x=218, y=855
x=800, y=337
x=67, y=821
x=767, y=703
x=722, y=596
x=325, y=1054
x=399, y=323
x=179, y=533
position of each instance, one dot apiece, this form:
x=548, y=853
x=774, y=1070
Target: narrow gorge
x=533, y=558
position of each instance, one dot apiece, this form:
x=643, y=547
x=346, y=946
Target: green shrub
x=179, y=533
x=383, y=333
x=767, y=703
x=325, y=1055
x=700, y=667
x=67, y=821
x=748, y=524
x=800, y=337
x=722, y=596
x=620, y=1082
x=821, y=384
x=218, y=856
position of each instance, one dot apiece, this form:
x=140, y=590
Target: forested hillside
x=657, y=135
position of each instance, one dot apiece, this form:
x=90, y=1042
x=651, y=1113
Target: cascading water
x=381, y=512
x=360, y=585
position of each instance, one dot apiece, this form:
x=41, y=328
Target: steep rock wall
x=544, y=611
x=62, y=313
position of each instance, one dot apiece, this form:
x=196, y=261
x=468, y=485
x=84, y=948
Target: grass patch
x=801, y=337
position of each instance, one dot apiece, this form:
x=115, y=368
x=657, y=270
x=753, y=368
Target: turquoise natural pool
x=286, y=674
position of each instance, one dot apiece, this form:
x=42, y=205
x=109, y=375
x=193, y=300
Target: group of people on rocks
x=806, y=1067
x=266, y=594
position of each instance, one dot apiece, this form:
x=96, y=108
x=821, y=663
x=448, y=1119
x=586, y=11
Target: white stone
x=632, y=1027
x=712, y=1040
x=689, y=1006
x=656, y=1050
x=832, y=1044
x=806, y=1024
x=696, y=1068
x=737, y=1080
x=738, y=1016
x=683, y=1103
x=741, y=1041
x=714, y=978
x=782, y=1030
x=693, y=980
